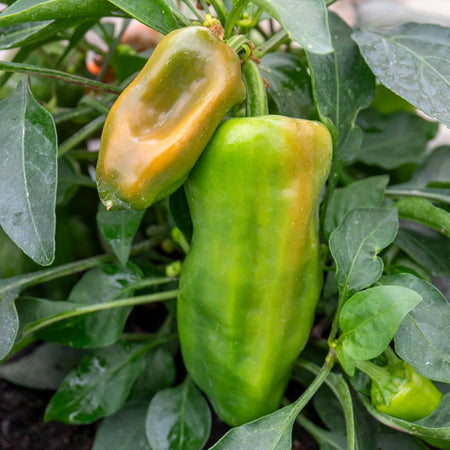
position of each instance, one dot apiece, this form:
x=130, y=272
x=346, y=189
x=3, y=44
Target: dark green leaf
x=343, y=85
x=290, y=92
x=29, y=33
x=179, y=210
x=412, y=61
x=44, y=368
x=370, y=319
x=38, y=10
x=178, y=418
x=124, y=430
x=28, y=172
x=271, y=432
x=355, y=244
x=436, y=425
x=427, y=247
x=100, y=329
x=435, y=170
x=306, y=22
x=327, y=440
x=367, y=193
x=422, y=339
x=118, y=228
x=155, y=13
x=159, y=373
x=345, y=360
x=390, y=141
x=69, y=179
x=387, y=102
x=9, y=321
x=99, y=387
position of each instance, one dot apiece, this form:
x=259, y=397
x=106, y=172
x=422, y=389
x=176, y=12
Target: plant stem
x=320, y=378
x=89, y=309
x=441, y=195
x=58, y=75
x=376, y=373
x=237, y=42
x=205, y=6
x=193, y=9
x=112, y=48
x=81, y=135
x=220, y=9
x=72, y=114
x=271, y=44
x=42, y=276
x=234, y=16
x=316, y=432
x=391, y=356
x=256, y=91
x=99, y=106
x=341, y=390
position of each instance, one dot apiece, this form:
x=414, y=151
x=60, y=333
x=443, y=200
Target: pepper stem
x=256, y=90
x=391, y=356
x=378, y=374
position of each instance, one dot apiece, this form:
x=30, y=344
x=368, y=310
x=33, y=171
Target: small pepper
x=405, y=394
x=163, y=120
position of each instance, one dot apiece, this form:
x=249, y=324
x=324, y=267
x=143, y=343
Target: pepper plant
x=89, y=294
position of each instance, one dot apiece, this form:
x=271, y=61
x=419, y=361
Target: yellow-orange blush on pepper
x=159, y=125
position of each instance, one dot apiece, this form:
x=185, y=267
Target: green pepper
x=252, y=278
x=405, y=394
x=163, y=120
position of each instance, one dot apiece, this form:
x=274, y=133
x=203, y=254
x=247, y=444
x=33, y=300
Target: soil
x=22, y=427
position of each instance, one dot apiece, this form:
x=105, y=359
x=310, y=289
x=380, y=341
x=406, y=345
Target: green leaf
x=345, y=360
x=367, y=193
x=124, y=430
x=423, y=211
x=434, y=171
x=9, y=321
x=118, y=228
x=99, y=387
x=39, y=10
x=155, y=13
x=69, y=179
x=44, y=368
x=29, y=33
x=159, y=373
x=100, y=329
x=271, y=432
x=390, y=141
x=343, y=85
x=412, y=61
x=178, y=418
x=327, y=440
x=306, y=22
x=370, y=319
x=28, y=171
x=422, y=339
x=290, y=91
x=425, y=246
x=436, y=425
x=179, y=211
x=18, y=34
x=355, y=244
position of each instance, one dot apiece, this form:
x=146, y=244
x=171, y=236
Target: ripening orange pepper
x=159, y=125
